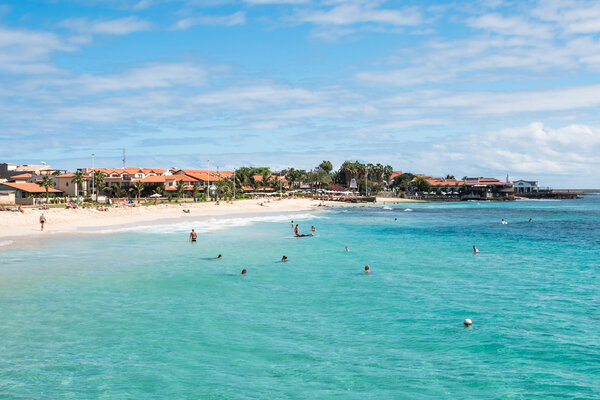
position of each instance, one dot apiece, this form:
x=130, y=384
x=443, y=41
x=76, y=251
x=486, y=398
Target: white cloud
x=572, y=16
x=237, y=18
x=498, y=103
x=527, y=151
x=25, y=51
x=511, y=26
x=356, y=13
x=120, y=26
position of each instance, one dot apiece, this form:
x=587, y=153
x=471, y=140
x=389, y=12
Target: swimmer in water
x=298, y=234
x=313, y=229
x=475, y=249
x=219, y=257
x=284, y=259
x=292, y=224
x=367, y=269
x=395, y=219
x=530, y=220
x=347, y=249
x=193, y=236
x=243, y=272
x=504, y=222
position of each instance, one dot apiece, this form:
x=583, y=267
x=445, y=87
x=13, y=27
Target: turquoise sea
x=144, y=314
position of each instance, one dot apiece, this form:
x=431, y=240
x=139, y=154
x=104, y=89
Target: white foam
x=6, y=243
x=207, y=225
x=387, y=208
x=408, y=209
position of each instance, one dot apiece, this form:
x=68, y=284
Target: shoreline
x=17, y=227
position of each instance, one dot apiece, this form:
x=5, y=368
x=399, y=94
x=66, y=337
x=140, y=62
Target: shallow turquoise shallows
x=145, y=314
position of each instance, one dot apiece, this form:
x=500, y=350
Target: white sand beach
x=14, y=225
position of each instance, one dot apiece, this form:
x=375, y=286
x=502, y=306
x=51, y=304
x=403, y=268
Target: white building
x=526, y=186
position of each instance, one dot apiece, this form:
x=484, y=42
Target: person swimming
x=475, y=249
x=367, y=269
x=347, y=249
x=530, y=220
x=219, y=257
x=292, y=224
x=193, y=236
x=313, y=229
x=298, y=234
x=284, y=259
x=504, y=222
x=243, y=272
x=395, y=219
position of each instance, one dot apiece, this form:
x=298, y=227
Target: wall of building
x=7, y=197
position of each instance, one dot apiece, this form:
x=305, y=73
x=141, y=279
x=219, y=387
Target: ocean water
x=144, y=314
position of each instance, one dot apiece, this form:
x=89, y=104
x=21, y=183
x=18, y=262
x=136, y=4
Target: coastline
x=16, y=226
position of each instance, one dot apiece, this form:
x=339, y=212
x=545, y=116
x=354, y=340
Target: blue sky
x=483, y=87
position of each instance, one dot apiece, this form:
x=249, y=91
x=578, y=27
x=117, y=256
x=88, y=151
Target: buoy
x=468, y=322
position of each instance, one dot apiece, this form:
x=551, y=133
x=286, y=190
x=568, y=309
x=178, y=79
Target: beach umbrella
x=155, y=195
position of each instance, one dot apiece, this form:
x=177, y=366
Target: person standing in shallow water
x=367, y=269
x=42, y=221
x=243, y=272
x=475, y=249
x=193, y=236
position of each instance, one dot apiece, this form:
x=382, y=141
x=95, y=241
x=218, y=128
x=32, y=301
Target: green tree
x=98, y=180
x=421, y=184
x=117, y=190
x=139, y=188
x=387, y=173
x=47, y=183
x=195, y=190
x=450, y=176
x=180, y=187
x=78, y=180
x=326, y=166
x=294, y=176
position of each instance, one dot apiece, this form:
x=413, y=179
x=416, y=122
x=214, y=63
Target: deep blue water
x=147, y=315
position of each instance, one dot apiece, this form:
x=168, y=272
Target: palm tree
x=98, y=180
x=195, y=190
x=139, y=187
x=47, y=183
x=421, y=183
x=78, y=180
x=349, y=169
x=326, y=166
x=387, y=173
x=266, y=177
x=117, y=190
x=450, y=176
x=180, y=188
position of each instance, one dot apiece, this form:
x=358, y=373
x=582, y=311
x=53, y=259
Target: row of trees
x=369, y=177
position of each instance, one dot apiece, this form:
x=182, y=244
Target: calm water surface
x=147, y=315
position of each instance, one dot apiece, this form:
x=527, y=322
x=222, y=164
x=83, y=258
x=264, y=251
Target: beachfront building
x=478, y=188
x=522, y=186
x=203, y=176
x=123, y=177
x=24, y=193
x=481, y=188
x=168, y=183
x=8, y=171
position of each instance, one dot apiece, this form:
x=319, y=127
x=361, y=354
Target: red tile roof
x=22, y=176
x=29, y=187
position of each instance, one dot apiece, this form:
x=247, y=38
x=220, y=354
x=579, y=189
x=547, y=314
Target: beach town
x=29, y=185
x=101, y=197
